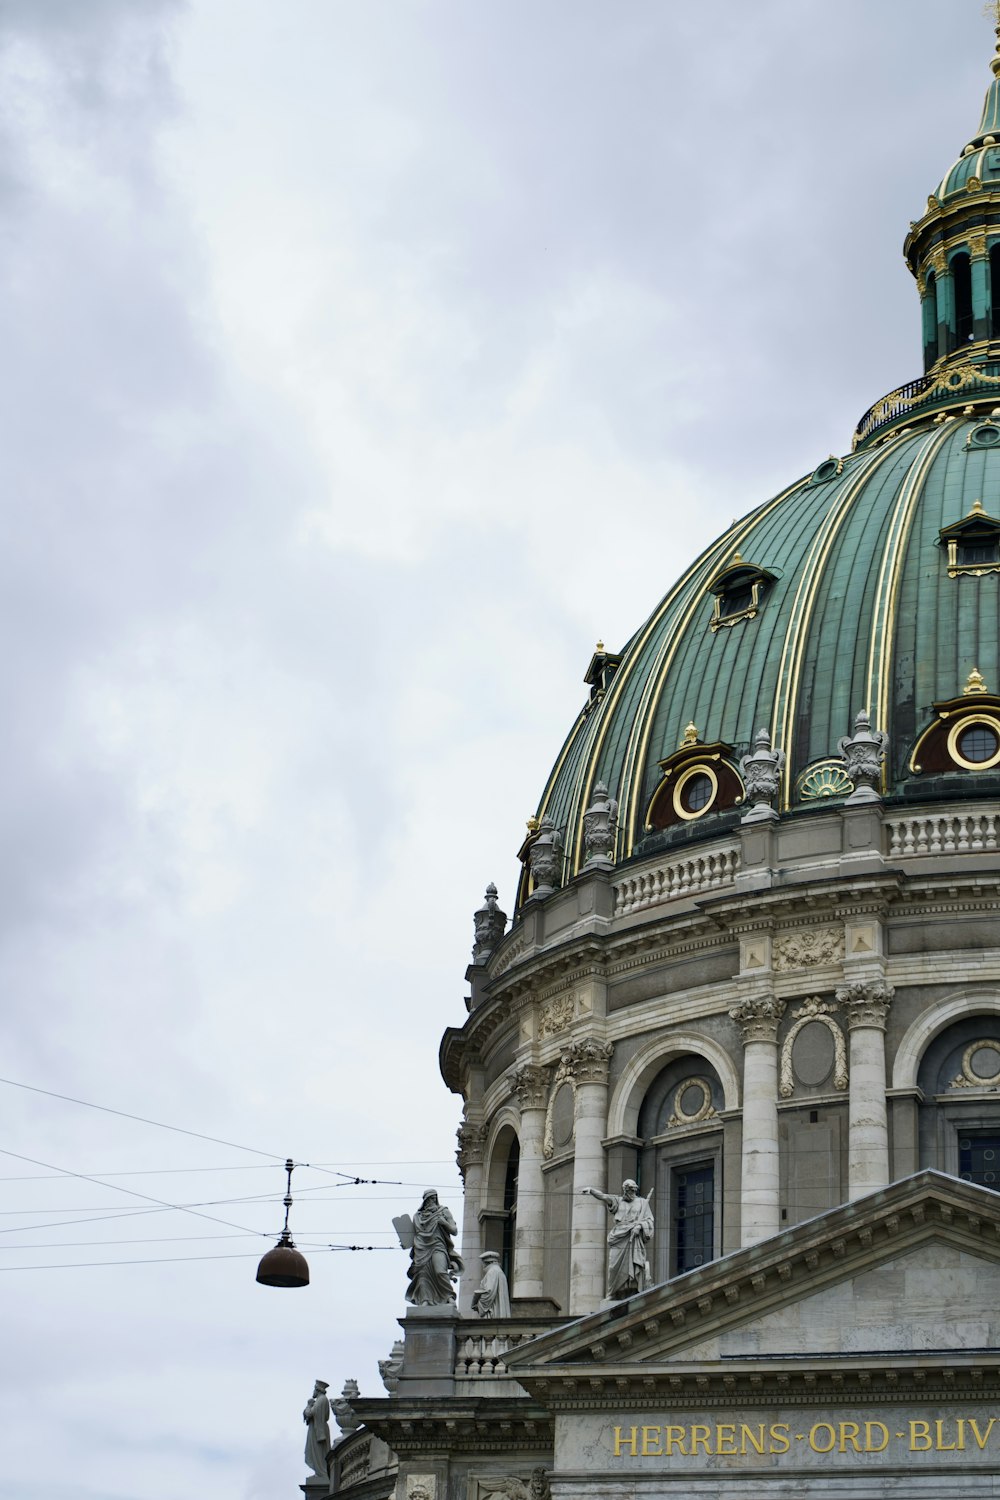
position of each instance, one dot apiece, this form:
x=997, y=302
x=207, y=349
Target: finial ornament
x=489, y=923
x=545, y=859
x=863, y=755
x=975, y=684
x=600, y=825
x=690, y=736
x=761, y=772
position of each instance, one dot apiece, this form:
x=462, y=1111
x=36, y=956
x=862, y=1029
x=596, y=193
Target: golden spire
x=976, y=682
x=691, y=733
x=992, y=9
x=977, y=505
x=600, y=644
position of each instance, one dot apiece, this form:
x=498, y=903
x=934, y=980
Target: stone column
x=758, y=1017
x=531, y=1085
x=928, y=310
x=471, y=1145
x=866, y=1005
x=588, y=1061
x=982, y=292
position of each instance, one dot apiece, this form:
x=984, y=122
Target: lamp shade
x=283, y=1265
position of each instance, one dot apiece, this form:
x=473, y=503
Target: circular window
x=985, y=436
x=827, y=470
x=974, y=743
x=695, y=792
x=978, y=744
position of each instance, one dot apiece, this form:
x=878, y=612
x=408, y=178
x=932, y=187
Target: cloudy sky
x=362, y=362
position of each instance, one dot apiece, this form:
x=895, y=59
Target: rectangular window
x=979, y=1160
x=692, y=1217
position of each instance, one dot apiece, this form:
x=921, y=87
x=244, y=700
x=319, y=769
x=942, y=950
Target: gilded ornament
x=825, y=779
x=939, y=261
x=976, y=683
x=977, y=244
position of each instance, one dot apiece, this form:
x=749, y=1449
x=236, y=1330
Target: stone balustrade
x=672, y=879
x=957, y=831
x=481, y=1354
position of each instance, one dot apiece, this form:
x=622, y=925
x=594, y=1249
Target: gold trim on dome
x=806, y=594
x=877, y=689
x=967, y=721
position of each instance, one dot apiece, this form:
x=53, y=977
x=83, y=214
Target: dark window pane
x=977, y=1159
x=693, y=1218
x=978, y=743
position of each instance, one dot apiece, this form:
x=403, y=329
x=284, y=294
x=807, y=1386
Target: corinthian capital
x=531, y=1085
x=587, y=1060
x=866, y=1004
x=471, y=1145
x=758, y=1018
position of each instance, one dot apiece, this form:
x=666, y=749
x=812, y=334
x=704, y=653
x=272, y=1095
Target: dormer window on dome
x=973, y=544
x=697, y=779
x=739, y=590
x=965, y=735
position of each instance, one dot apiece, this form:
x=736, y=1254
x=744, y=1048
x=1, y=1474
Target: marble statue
x=491, y=1299
x=430, y=1238
x=628, y=1271
x=316, y=1416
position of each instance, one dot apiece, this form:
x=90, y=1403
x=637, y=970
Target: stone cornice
x=454, y=1424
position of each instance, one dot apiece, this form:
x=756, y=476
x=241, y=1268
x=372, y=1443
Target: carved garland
x=813, y=1010
x=564, y=1074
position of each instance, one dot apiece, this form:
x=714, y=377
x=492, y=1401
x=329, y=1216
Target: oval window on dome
x=974, y=743
x=986, y=435
x=695, y=792
x=828, y=469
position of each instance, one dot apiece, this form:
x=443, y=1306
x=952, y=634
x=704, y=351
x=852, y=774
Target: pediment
x=909, y=1274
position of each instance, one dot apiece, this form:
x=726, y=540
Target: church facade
x=754, y=974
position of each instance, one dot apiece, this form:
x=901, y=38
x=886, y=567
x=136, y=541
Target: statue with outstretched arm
x=631, y=1231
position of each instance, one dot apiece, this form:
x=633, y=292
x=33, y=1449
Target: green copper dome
x=857, y=609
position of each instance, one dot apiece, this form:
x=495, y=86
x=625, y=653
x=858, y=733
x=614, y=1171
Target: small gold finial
x=690, y=737
x=600, y=645
x=977, y=505
x=532, y=825
x=975, y=684
x=736, y=558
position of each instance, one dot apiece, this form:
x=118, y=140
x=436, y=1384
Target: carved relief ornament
x=587, y=1061
x=807, y=950
x=556, y=1015
x=867, y=1003
x=563, y=1075
x=758, y=1018
x=530, y=1083
x=813, y=1010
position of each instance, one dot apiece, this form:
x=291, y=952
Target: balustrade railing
x=965, y=831
x=685, y=875
x=481, y=1355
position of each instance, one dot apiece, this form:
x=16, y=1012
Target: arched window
x=510, y=1209
x=995, y=299
x=961, y=270
x=931, y=321
x=680, y=1163
x=959, y=1123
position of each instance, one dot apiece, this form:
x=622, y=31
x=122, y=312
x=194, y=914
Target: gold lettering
x=849, y=1433
x=941, y=1445
x=870, y=1428
x=632, y=1442
x=651, y=1435
x=747, y=1436
x=725, y=1433
x=982, y=1438
x=676, y=1435
x=961, y=1434
x=779, y=1437
x=813, y=1435
x=701, y=1437
x=921, y=1430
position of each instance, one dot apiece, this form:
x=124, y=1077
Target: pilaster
x=758, y=1017
x=588, y=1061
